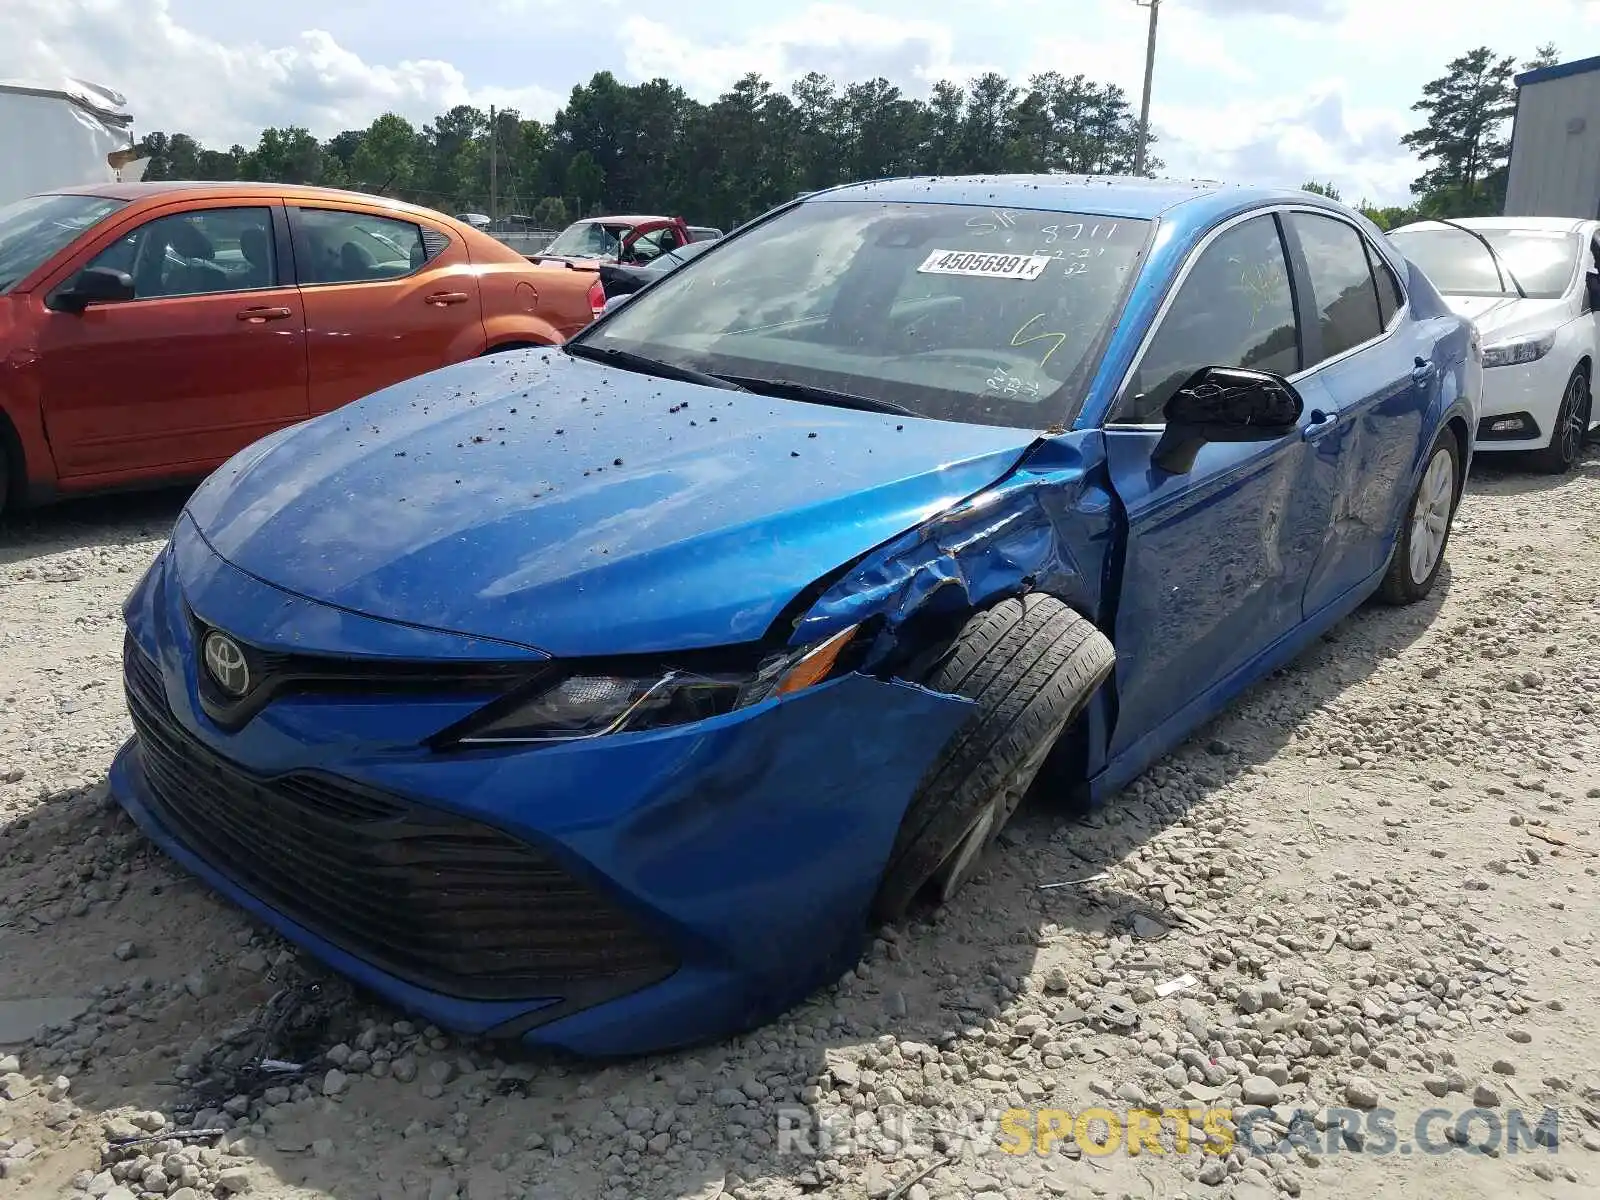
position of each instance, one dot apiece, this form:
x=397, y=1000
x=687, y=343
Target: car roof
x=1130, y=197
x=1552, y=224
x=619, y=220
x=178, y=189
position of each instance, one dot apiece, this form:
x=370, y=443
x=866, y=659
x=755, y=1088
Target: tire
x=1030, y=664
x=1431, y=510
x=1570, y=432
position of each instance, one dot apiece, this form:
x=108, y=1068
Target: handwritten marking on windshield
x=981, y=225
x=1007, y=384
x=1018, y=340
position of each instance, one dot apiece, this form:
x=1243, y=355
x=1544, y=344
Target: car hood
x=1498, y=317
x=580, y=509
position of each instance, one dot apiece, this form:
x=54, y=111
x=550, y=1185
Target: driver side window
x=195, y=253
x=1235, y=309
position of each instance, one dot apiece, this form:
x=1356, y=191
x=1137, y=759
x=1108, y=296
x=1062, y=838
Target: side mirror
x=94, y=285
x=1225, y=404
x=1592, y=286
x=614, y=302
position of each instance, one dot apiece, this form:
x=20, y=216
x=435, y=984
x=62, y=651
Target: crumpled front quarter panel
x=1046, y=527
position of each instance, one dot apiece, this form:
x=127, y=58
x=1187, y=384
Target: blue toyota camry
x=606, y=695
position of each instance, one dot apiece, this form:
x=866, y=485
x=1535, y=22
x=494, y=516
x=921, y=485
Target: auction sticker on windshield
x=993, y=266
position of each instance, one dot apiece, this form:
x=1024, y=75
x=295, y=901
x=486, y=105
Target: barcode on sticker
x=993, y=266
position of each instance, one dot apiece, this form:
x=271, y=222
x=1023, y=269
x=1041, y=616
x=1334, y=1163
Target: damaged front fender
x=1046, y=527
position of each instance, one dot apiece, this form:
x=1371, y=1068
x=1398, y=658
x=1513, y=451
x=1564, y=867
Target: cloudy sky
x=1261, y=90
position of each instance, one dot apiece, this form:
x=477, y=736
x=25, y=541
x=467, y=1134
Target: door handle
x=1422, y=371
x=443, y=298
x=1319, y=423
x=258, y=315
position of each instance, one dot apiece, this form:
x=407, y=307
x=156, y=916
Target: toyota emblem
x=226, y=664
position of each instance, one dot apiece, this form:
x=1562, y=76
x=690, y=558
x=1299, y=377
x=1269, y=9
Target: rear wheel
x=1030, y=665
x=1425, y=530
x=1570, y=432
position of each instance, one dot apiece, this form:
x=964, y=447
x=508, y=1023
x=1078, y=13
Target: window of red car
x=34, y=229
x=357, y=247
x=193, y=253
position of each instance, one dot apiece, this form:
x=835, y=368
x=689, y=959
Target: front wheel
x=1425, y=530
x=1030, y=665
x=1570, y=432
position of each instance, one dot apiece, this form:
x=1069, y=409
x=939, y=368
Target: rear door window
x=343, y=246
x=1342, y=289
x=1390, y=298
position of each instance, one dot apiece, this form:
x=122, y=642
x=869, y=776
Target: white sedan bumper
x=1520, y=403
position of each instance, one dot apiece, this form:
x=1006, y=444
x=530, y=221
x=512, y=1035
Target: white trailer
x=63, y=134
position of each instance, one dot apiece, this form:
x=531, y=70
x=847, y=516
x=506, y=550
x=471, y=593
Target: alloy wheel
x=1430, y=515
x=1574, y=420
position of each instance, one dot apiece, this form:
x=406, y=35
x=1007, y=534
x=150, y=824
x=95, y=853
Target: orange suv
x=150, y=331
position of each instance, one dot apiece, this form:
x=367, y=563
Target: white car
x=1531, y=286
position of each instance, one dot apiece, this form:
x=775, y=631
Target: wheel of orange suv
x=1030, y=665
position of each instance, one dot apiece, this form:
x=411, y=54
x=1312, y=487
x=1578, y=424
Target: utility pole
x=494, y=168
x=1149, y=77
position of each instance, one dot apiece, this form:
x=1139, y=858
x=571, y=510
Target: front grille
x=276, y=673
x=450, y=905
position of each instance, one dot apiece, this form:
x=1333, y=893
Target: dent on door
x=1213, y=569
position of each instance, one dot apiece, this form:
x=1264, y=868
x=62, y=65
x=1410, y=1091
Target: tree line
x=650, y=147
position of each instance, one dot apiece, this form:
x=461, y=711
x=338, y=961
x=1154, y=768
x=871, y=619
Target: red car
x=633, y=240
x=150, y=331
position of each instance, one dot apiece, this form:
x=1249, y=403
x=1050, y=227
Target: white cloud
x=841, y=42
x=1318, y=135
x=177, y=79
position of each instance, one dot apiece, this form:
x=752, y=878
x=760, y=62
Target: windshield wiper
x=787, y=389
x=629, y=361
x=1500, y=263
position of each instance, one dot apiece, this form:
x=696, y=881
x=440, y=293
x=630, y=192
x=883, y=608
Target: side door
x=1215, y=559
x=387, y=298
x=1377, y=372
x=208, y=356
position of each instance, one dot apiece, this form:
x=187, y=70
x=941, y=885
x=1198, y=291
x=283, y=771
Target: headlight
x=1521, y=350
x=593, y=705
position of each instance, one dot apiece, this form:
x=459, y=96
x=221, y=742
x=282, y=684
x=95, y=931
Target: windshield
x=32, y=230
x=589, y=240
x=1542, y=260
x=947, y=311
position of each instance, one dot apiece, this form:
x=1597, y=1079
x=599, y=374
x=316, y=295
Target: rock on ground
x=1373, y=881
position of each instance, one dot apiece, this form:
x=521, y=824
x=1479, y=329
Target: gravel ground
x=1374, y=880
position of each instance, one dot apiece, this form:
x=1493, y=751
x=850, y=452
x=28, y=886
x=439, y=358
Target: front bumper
x=622, y=895
x=1528, y=394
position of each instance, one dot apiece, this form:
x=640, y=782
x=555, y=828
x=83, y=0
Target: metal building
x=1555, y=143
